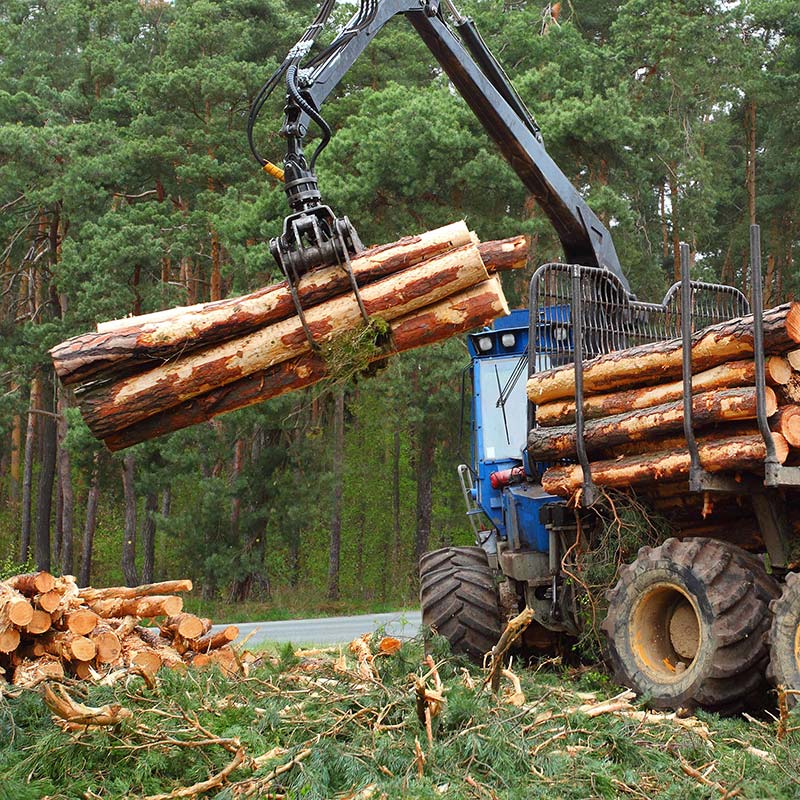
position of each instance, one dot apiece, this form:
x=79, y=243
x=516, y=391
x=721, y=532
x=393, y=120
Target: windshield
x=503, y=425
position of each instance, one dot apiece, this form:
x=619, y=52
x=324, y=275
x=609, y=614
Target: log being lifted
x=129, y=400
x=456, y=315
x=160, y=335
x=725, y=376
x=551, y=444
x=121, y=345
x=726, y=455
x=662, y=361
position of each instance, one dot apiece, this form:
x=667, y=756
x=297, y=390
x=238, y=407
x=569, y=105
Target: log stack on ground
x=144, y=376
x=89, y=633
x=633, y=410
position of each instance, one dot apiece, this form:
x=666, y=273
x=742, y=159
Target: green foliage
x=617, y=533
x=331, y=733
x=126, y=187
x=10, y=566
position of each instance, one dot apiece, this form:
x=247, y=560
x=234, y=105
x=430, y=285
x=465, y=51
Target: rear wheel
x=785, y=639
x=459, y=599
x=686, y=625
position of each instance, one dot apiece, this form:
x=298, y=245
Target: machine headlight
x=485, y=344
x=508, y=340
x=560, y=333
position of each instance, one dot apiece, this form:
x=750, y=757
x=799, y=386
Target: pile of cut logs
x=141, y=377
x=49, y=627
x=633, y=410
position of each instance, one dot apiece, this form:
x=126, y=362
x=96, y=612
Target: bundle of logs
x=141, y=377
x=50, y=628
x=633, y=411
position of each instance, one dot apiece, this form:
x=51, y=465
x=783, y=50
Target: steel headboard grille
x=612, y=318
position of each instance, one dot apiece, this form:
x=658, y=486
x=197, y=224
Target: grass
x=282, y=608
x=339, y=735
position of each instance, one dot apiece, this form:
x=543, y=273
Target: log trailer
x=693, y=621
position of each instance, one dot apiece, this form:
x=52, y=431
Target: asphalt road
x=330, y=630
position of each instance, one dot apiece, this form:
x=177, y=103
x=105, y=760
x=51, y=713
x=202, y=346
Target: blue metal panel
x=526, y=499
x=514, y=511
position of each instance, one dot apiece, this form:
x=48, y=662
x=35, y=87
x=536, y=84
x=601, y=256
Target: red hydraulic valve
x=506, y=476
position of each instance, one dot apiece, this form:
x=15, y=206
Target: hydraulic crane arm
x=480, y=80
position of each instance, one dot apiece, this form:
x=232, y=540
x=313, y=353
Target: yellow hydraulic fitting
x=274, y=170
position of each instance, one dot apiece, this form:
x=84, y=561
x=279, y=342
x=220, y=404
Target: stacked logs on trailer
x=50, y=628
x=633, y=412
x=141, y=377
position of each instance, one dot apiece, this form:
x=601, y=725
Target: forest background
x=126, y=186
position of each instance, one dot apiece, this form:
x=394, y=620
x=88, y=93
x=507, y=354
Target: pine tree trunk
x=396, y=540
x=90, y=524
x=129, y=540
x=27, y=473
x=424, y=463
x=336, y=503
x=676, y=234
x=67, y=492
x=16, y=449
x=236, y=471
x=149, y=537
x=47, y=472
x=750, y=158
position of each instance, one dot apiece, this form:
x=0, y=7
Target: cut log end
x=81, y=621
x=83, y=648
x=19, y=611
x=40, y=622
x=9, y=640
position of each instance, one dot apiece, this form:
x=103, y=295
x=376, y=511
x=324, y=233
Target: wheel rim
x=797, y=647
x=666, y=632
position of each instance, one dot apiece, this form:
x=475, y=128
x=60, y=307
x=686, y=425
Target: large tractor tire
x=459, y=599
x=687, y=625
x=785, y=639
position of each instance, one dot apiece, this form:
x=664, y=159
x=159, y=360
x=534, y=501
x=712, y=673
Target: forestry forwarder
x=678, y=630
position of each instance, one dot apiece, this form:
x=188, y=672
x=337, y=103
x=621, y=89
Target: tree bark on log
x=32, y=583
x=214, y=640
x=654, y=363
x=127, y=401
x=65, y=645
x=727, y=455
x=550, y=444
x=725, y=376
x=156, y=606
x=126, y=343
x=455, y=315
x=678, y=442
x=503, y=255
x=90, y=594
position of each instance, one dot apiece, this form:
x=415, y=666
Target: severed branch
x=514, y=629
x=214, y=782
x=77, y=714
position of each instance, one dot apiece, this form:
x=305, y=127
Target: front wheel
x=459, y=599
x=785, y=639
x=687, y=625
